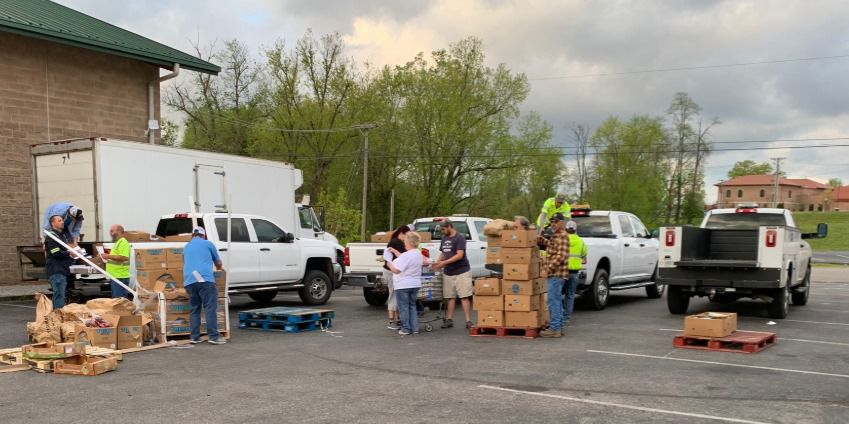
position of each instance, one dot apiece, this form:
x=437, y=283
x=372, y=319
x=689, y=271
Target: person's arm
x=55, y=250
x=216, y=259
x=399, y=264
x=75, y=230
x=461, y=252
x=119, y=258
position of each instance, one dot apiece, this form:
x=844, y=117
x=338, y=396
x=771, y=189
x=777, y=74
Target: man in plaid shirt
x=557, y=265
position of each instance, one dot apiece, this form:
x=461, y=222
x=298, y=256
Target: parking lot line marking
x=620, y=405
x=728, y=364
x=780, y=338
x=816, y=322
x=17, y=306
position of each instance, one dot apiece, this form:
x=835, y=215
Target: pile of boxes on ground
x=517, y=299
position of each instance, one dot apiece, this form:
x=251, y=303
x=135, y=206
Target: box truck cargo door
x=68, y=177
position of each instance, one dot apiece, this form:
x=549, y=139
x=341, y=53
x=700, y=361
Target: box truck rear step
x=738, y=341
x=507, y=332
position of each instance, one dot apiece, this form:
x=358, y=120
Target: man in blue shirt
x=72, y=218
x=199, y=256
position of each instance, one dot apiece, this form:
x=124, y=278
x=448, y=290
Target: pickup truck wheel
x=599, y=292
x=677, y=300
x=780, y=304
x=316, y=289
x=800, y=298
x=265, y=296
x=374, y=298
x=655, y=291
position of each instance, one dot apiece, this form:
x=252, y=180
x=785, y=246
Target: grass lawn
x=838, y=228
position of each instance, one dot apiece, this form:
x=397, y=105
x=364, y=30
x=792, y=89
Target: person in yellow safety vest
x=552, y=206
x=577, y=259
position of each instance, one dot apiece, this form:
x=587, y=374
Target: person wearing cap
x=556, y=263
x=577, y=259
x=553, y=205
x=521, y=223
x=199, y=257
x=72, y=217
x=58, y=261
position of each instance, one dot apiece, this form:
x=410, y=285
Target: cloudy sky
x=569, y=49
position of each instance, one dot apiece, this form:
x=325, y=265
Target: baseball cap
x=560, y=197
x=558, y=217
x=572, y=225
x=199, y=230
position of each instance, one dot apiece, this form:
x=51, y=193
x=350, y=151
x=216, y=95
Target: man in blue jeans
x=58, y=260
x=556, y=257
x=199, y=256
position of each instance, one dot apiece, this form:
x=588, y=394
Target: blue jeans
x=407, y=309
x=59, y=283
x=569, y=298
x=203, y=295
x=555, y=304
x=118, y=291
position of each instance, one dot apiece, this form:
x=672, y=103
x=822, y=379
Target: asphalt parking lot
x=617, y=365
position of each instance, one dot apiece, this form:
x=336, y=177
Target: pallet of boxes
x=514, y=304
x=159, y=275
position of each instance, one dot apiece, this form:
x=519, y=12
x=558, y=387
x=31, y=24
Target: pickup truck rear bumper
x=752, y=278
x=363, y=280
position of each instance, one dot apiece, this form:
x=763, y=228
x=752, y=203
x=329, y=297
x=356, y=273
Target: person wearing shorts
x=457, y=274
x=395, y=242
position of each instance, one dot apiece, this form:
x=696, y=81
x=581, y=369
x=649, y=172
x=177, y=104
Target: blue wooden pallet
x=283, y=314
x=286, y=327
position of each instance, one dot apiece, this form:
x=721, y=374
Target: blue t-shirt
x=199, y=255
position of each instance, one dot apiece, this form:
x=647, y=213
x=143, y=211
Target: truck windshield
x=174, y=226
x=744, y=221
x=593, y=226
x=436, y=234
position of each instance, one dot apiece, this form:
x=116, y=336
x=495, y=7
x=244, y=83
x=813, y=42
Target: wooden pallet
x=738, y=341
x=286, y=327
x=282, y=314
x=507, y=332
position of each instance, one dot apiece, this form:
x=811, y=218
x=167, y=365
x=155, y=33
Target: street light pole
x=364, y=128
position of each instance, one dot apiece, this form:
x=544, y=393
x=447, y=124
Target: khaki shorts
x=454, y=286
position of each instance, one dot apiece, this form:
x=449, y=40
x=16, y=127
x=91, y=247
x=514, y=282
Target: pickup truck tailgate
x=366, y=257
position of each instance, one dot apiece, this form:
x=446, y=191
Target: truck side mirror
x=822, y=230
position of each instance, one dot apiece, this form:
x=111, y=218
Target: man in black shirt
x=58, y=260
x=457, y=274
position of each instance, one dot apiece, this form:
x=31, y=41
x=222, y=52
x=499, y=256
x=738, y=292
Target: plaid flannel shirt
x=557, y=255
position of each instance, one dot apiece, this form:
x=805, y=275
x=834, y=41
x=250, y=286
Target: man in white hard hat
x=199, y=257
x=553, y=205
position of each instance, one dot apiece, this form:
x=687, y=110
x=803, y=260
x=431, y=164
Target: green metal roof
x=53, y=22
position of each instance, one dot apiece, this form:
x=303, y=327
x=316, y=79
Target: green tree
x=835, y=182
x=749, y=167
x=170, y=133
x=342, y=220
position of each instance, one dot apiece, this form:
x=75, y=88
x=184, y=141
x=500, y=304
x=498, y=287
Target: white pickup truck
x=364, y=261
x=621, y=254
x=264, y=259
x=738, y=252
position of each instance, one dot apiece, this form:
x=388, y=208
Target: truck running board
x=631, y=285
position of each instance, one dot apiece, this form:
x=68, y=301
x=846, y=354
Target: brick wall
x=793, y=197
x=80, y=93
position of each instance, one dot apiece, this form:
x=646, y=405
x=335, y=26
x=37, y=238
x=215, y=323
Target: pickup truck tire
x=599, y=291
x=780, y=304
x=374, y=298
x=677, y=300
x=264, y=297
x=317, y=288
x=800, y=298
x=655, y=291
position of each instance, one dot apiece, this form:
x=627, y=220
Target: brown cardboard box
x=382, y=237
x=140, y=237
x=493, y=241
x=544, y=314
x=150, y=259
x=529, y=319
x=521, y=302
x=426, y=237
x=174, y=257
x=180, y=238
x=221, y=282
x=181, y=324
x=519, y=255
x=521, y=272
x=493, y=255
x=490, y=318
x=148, y=278
x=85, y=365
x=172, y=306
x=710, y=324
x=56, y=351
x=541, y=285
x=487, y=287
x=488, y=303
x=129, y=332
x=518, y=238
x=100, y=337
x=520, y=287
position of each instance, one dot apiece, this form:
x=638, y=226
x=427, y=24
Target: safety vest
x=549, y=209
x=577, y=252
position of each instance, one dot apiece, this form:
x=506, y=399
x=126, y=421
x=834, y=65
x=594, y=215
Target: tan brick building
x=65, y=75
x=798, y=194
x=840, y=199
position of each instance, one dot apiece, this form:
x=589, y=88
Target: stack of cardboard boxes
x=518, y=299
x=69, y=358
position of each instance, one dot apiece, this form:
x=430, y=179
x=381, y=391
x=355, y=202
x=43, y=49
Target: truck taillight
x=181, y=215
x=346, y=259
x=771, y=235
x=670, y=238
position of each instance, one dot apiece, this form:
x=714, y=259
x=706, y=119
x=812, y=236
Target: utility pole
x=392, y=209
x=775, y=194
x=364, y=128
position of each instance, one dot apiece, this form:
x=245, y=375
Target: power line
x=690, y=68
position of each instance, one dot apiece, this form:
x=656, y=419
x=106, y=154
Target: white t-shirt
x=410, y=265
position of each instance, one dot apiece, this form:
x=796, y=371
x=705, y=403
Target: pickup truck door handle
x=265, y=249
x=223, y=249
x=642, y=245
x=627, y=244
x=801, y=245
x=483, y=247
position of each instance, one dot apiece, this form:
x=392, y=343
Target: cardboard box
x=426, y=237
x=493, y=255
x=518, y=238
x=179, y=238
x=174, y=257
x=129, y=332
x=490, y=318
x=140, y=237
x=529, y=319
x=541, y=285
x=493, y=241
x=520, y=287
x=382, y=237
x=488, y=303
x=487, y=287
x=151, y=259
x=521, y=302
x=99, y=337
x=56, y=351
x=85, y=365
x=710, y=324
x=181, y=324
x=519, y=255
x=221, y=283
x=149, y=278
x=521, y=272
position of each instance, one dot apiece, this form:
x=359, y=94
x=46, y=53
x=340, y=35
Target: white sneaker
x=403, y=332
